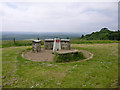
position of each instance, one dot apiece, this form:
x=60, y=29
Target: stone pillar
x=36, y=45
x=69, y=45
x=65, y=44
x=56, y=45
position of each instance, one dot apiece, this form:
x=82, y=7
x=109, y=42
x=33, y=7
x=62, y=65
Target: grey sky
x=59, y=17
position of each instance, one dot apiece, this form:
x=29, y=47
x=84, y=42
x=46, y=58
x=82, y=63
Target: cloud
x=59, y=17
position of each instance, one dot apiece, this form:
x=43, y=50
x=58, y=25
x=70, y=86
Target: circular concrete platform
x=47, y=55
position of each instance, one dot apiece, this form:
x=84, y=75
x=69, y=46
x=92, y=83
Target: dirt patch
x=44, y=55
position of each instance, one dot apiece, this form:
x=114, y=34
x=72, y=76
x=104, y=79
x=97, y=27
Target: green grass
x=78, y=41
x=99, y=72
x=10, y=43
x=0, y=68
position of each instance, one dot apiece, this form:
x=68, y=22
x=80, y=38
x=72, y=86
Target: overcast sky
x=59, y=17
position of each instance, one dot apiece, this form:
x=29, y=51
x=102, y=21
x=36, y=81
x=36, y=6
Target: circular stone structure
x=47, y=55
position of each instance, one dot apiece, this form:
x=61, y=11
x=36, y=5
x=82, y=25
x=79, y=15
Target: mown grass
x=99, y=72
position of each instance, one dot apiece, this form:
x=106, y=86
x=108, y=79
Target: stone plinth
x=65, y=44
x=36, y=45
x=48, y=44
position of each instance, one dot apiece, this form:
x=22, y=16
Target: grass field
x=10, y=43
x=77, y=41
x=99, y=72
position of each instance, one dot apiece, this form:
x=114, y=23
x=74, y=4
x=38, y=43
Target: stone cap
x=36, y=41
x=49, y=40
x=60, y=40
x=65, y=40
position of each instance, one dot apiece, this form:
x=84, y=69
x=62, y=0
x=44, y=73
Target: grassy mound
x=69, y=57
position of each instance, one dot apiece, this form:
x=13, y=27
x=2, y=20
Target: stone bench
x=67, y=51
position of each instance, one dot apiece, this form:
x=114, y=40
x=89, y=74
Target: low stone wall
x=68, y=55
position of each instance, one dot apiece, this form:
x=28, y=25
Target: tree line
x=103, y=34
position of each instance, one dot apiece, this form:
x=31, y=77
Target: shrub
x=69, y=57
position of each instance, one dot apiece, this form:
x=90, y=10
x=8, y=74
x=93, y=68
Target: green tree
x=82, y=36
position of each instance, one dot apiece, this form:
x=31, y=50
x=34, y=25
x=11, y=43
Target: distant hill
x=103, y=34
x=35, y=35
